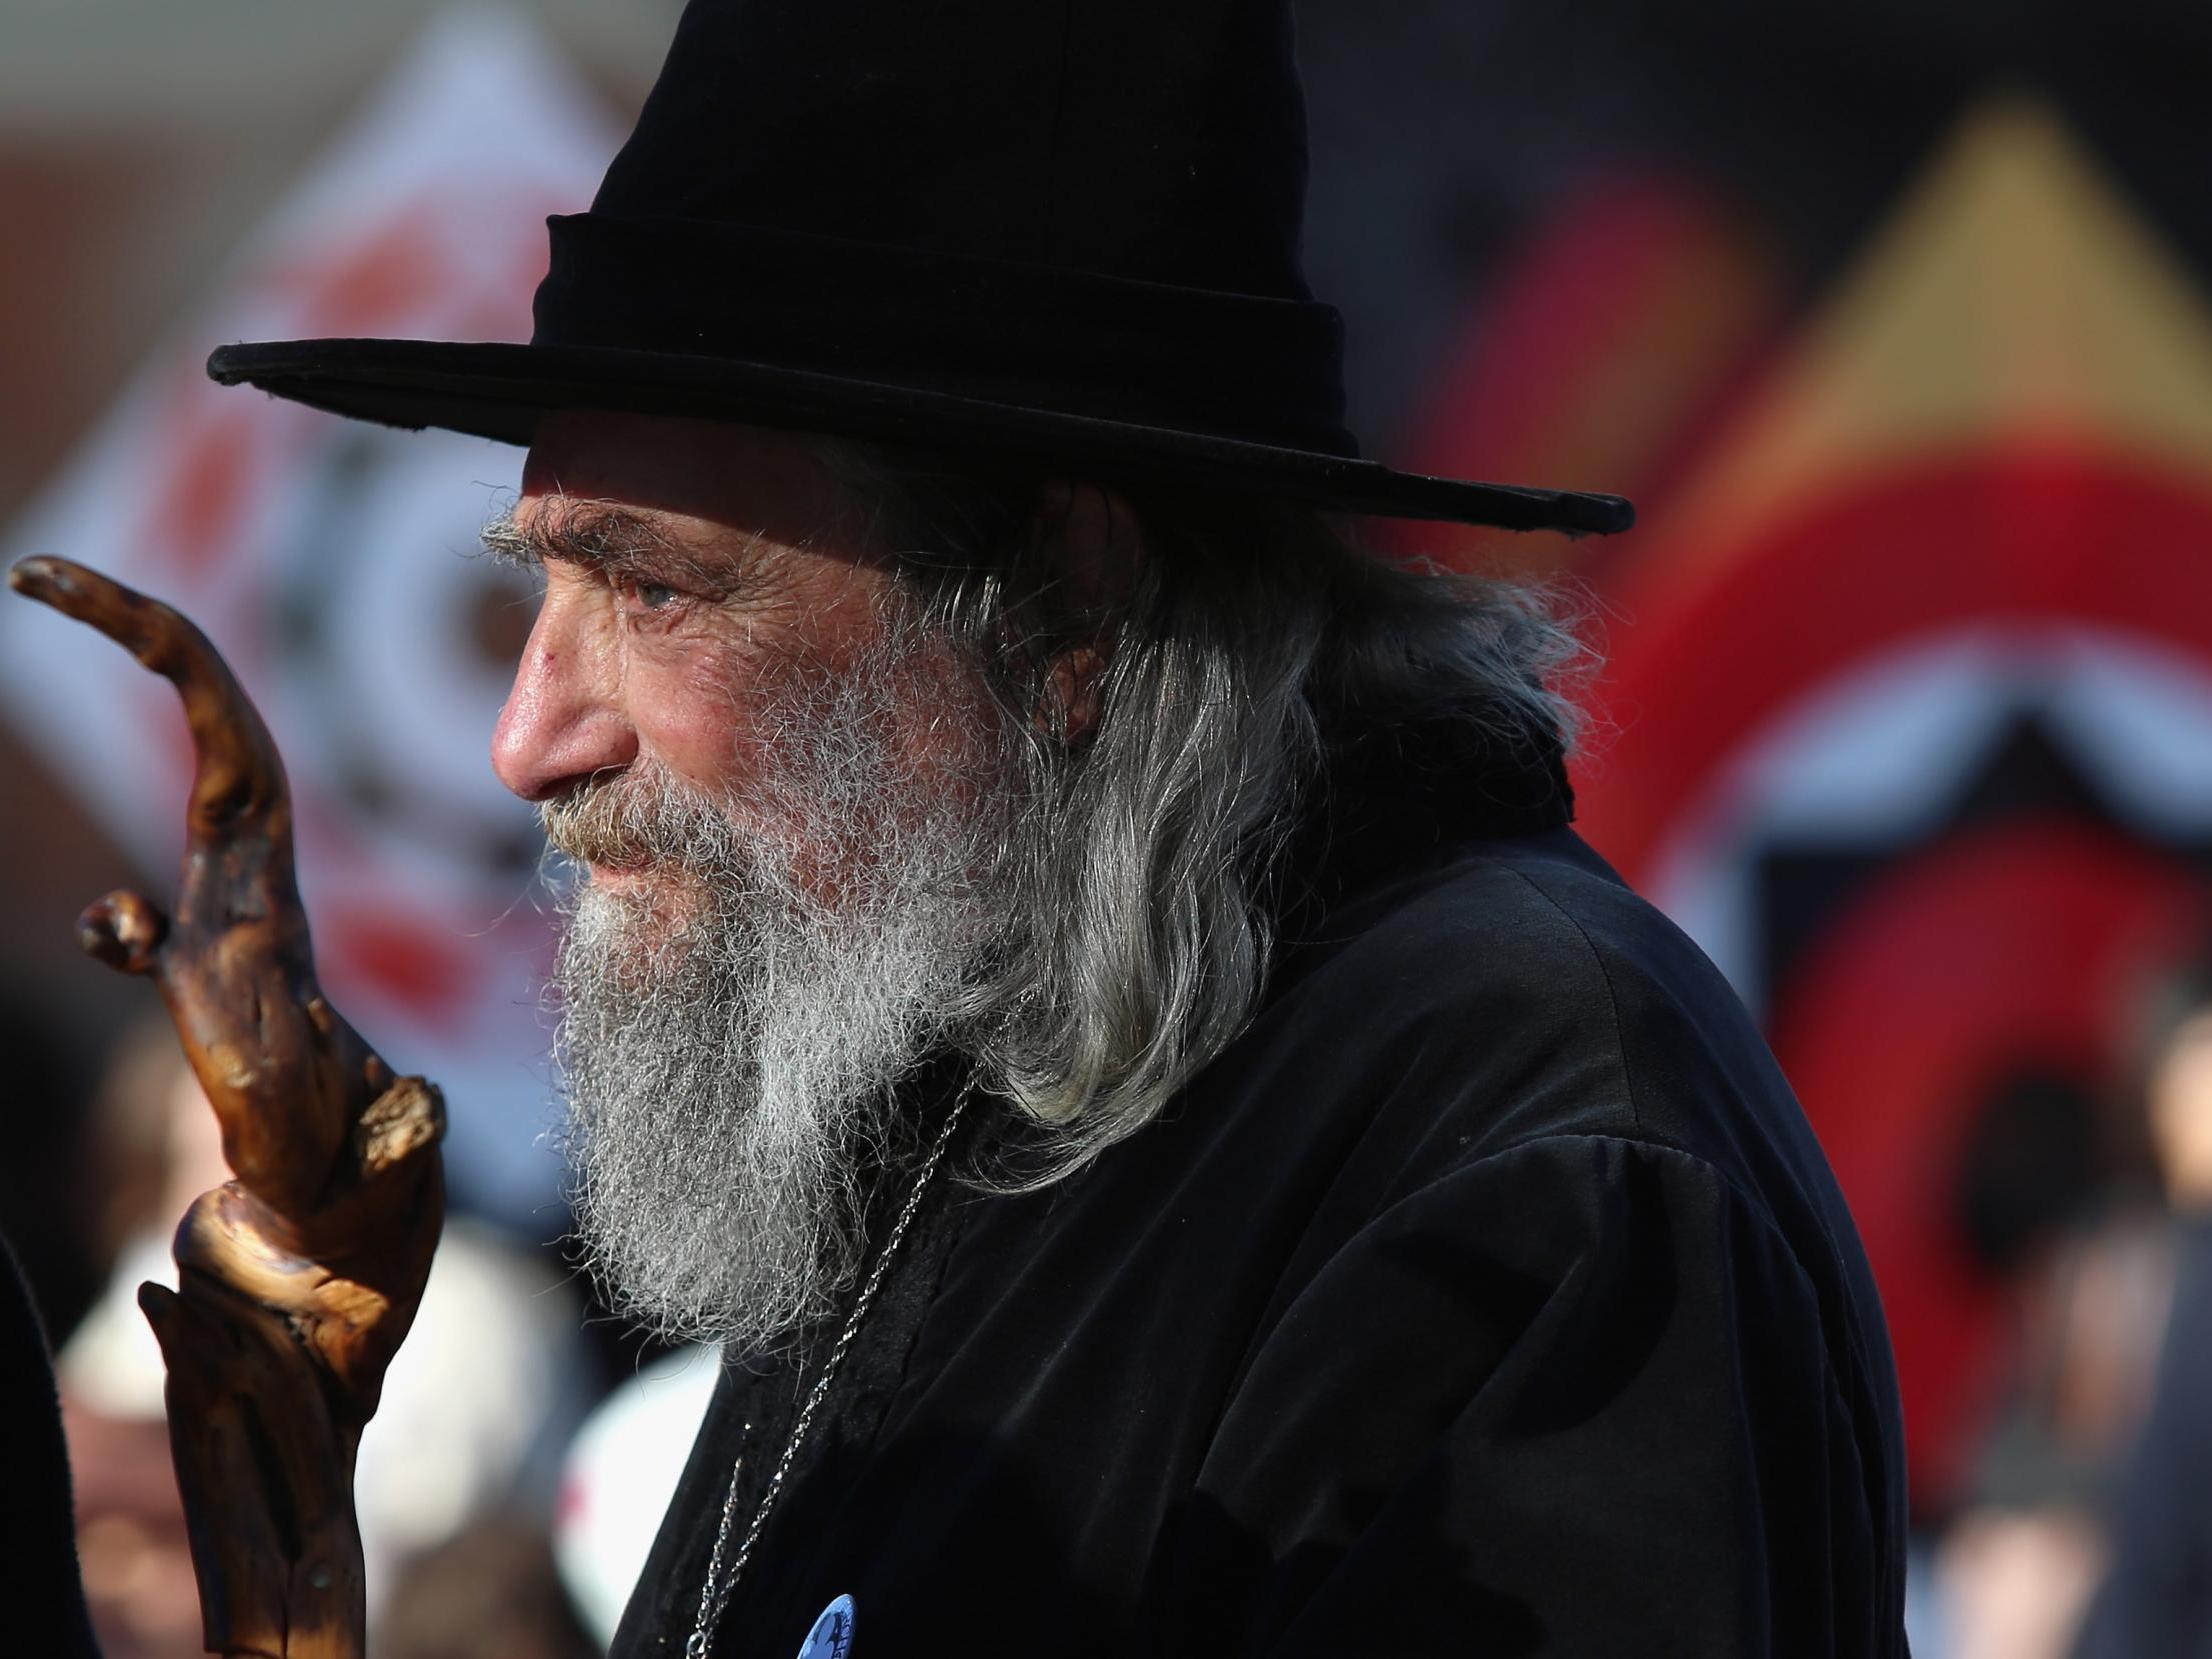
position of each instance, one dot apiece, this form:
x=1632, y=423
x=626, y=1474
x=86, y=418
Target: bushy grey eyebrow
x=609, y=539
x=507, y=543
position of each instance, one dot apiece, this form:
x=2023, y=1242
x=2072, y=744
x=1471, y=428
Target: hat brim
x=501, y=390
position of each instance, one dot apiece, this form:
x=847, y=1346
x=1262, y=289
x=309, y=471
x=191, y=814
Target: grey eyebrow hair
x=604, y=537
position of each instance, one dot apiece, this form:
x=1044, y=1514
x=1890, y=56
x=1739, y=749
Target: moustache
x=628, y=820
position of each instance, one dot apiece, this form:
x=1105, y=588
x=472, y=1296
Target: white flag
x=334, y=564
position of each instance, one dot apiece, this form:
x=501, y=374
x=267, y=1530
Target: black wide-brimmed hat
x=1061, y=229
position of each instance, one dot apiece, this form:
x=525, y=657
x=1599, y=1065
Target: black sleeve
x=1570, y=1399
x=38, y=1546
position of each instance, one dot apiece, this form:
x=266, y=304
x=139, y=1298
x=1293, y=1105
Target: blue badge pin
x=832, y=1635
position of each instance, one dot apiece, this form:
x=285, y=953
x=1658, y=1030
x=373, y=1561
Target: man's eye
x=651, y=597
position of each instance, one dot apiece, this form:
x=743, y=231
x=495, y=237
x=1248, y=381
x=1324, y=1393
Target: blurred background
x=1895, y=320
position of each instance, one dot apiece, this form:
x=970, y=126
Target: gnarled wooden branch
x=298, y=1279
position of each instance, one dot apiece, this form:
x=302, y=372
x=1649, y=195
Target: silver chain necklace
x=715, y=1592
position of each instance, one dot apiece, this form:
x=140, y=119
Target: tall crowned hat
x=1065, y=230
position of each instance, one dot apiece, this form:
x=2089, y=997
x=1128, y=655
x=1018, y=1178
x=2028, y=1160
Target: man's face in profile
x=704, y=596
x=787, y=793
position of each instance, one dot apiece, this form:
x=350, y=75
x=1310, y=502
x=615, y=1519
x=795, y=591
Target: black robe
x=1489, y=1295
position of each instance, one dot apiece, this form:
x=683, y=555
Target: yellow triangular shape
x=2015, y=294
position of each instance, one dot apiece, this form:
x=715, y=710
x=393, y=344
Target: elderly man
x=1081, y=980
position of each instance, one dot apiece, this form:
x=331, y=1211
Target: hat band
x=1250, y=367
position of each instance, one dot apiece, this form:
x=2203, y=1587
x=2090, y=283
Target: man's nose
x=563, y=720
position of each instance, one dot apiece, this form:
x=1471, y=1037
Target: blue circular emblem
x=832, y=1635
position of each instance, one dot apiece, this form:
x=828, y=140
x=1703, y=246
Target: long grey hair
x=1141, y=862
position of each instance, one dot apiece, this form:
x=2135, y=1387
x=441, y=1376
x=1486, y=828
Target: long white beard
x=731, y=1038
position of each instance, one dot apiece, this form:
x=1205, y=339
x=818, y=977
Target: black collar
x=1395, y=797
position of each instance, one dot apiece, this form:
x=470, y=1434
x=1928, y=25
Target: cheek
x=696, y=716
x=953, y=729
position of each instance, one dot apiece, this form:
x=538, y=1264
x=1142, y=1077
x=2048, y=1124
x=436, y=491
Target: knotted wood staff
x=298, y=1279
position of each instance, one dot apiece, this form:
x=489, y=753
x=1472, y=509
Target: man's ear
x=1073, y=697
x=1094, y=541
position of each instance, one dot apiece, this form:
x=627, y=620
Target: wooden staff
x=298, y=1279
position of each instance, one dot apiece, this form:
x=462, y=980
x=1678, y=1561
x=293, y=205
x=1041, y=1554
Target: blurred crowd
x=510, y=1482
x=2081, y=1524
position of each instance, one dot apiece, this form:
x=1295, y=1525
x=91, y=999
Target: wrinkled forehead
x=754, y=480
